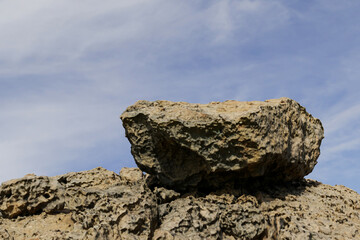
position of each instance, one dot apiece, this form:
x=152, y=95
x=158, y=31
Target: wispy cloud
x=54, y=36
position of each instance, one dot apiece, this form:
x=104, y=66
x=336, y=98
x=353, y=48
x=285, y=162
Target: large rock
x=95, y=204
x=186, y=145
x=100, y=204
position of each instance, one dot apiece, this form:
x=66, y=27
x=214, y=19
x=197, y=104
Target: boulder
x=188, y=145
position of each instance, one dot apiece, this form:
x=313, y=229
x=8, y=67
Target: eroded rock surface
x=231, y=170
x=185, y=145
x=100, y=204
x=95, y=204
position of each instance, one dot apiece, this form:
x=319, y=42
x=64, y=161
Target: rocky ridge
x=259, y=193
x=100, y=204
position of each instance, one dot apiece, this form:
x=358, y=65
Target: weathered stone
x=131, y=174
x=95, y=204
x=29, y=195
x=311, y=210
x=99, y=204
x=185, y=145
x=304, y=209
x=246, y=142
x=165, y=195
x=211, y=217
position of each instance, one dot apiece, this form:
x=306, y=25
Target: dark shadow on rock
x=264, y=189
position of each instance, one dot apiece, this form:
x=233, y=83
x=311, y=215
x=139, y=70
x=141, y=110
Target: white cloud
x=342, y=118
x=56, y=35
x=242, y=20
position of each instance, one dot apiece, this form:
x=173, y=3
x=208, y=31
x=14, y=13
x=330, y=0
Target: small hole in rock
x=8, y=194
x=62, y=180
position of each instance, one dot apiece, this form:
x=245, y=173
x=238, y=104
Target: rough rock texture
x=186, y=145
x=227, y=170
x=95, y=204
x=99, y=204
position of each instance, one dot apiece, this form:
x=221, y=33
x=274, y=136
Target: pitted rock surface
x=211, y=217
x=185, y=145
x=95, y=204
x=100, y=204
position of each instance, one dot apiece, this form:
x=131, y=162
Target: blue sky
x=68, y=69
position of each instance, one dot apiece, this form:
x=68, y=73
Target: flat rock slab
x=186, y=145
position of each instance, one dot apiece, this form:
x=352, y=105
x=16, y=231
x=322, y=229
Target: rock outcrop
x=219, y=171
x=188, y=145
x=95, y=204
x=100, y=204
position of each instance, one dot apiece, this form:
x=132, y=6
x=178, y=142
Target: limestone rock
x=165, y=195
x=131, y=174
x=311, y=210
x=95, y=204
x=99, y=204
x=210, y=217
x=186, y=145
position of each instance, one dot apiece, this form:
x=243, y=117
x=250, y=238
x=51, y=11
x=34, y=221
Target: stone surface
x=165, y=195
x=189, y=145
x=99, y=204
x=219, y=171
x=95, y=204
x=131, y=174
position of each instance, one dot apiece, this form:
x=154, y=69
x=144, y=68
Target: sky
x=68, y=69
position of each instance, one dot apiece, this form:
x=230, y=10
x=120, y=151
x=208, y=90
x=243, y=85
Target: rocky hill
x=232, y=170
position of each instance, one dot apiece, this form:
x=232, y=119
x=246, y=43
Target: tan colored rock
x=311, y=210
x=187, y=145
x=165, y=195
x=131, y=174
x=299, y=210
x=95, y=204
x=210, y=217
x=29, y=195
x=99, y=204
